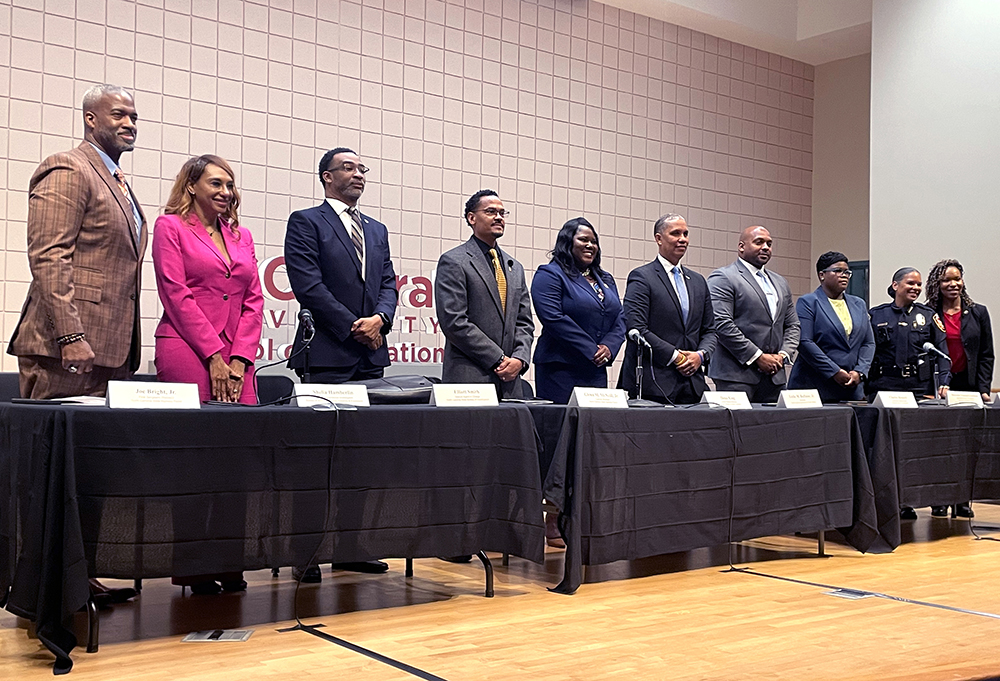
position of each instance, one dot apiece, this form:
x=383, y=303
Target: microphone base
x=645, y=404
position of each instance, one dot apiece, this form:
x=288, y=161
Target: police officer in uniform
x=901, y=328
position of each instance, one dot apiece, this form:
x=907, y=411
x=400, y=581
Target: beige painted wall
x=934, y=140
x=841, y=157
x=565, y=108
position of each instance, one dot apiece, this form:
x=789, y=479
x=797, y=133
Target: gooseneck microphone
x=306, y=320
x=930, y=347
x=638, y=338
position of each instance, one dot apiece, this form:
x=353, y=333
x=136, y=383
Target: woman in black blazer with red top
x=970, y=341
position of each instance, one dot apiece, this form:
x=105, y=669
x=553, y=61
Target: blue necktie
x=772, y=295
x=682, y=292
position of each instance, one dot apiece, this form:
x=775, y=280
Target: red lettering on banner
x=267, y=270
x=422, y=294
x=275, y=322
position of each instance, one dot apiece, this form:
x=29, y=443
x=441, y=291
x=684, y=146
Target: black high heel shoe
x=939, y=512
x=963, y=510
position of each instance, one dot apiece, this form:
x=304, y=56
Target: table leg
x=488, y=566
x=821, y=543
x=409, y=567
x=93, y=626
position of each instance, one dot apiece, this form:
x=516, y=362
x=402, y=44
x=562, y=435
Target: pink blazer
x=207, y=303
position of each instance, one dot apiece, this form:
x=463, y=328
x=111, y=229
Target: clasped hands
x=226, y=379
x=769, y=364
x=847, y=378
x=368, y=331
x=509, y=368
x=602, y=356
x=687, y=362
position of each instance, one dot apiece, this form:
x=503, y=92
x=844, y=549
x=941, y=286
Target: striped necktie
x=356, y=233
x=501, y=279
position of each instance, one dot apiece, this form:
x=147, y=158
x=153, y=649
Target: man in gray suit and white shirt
x=483, y=305
x=755, y=320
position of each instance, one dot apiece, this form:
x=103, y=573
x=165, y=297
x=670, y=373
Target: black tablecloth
x=635, y=483
x=141, y=494
x=930, y=456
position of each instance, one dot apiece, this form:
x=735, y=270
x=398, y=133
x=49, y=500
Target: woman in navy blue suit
x=583, y=325
x=837, y=343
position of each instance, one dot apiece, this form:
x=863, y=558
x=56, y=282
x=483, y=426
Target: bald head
x=755, y=246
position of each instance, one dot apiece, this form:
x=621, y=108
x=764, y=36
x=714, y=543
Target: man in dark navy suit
x=338, y=264
x=670, y=306
x=339, y=268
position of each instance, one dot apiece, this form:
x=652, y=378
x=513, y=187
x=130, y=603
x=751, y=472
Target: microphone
x=929, y=347
x=638, y=339
x=306, y=320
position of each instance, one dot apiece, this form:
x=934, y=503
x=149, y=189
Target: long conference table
x=88, y=491
x=94, y=492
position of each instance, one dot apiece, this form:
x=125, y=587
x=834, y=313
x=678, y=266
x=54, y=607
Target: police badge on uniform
x=920, y=319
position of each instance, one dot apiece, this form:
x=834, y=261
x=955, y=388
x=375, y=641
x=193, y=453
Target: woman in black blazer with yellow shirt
x=970, y=341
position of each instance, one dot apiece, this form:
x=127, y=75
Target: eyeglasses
x=349, y=167
x=493, y=212
x=839, y=271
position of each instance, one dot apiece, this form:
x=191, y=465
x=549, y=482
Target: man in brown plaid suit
x=79, y=326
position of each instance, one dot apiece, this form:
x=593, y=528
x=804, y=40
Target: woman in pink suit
x=213, y=310
x=206, y=277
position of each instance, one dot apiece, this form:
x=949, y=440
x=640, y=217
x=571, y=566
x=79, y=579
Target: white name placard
x=602, y=398
x=149, y=395
x=322, y=394
x=895, y=399
x=729, y=399
x=800, y=399
x=957, y=398
x=464, y=395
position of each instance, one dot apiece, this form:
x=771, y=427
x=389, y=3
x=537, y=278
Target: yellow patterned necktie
x=501, y=279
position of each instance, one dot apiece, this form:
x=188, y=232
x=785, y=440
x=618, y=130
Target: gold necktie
x=501, y=279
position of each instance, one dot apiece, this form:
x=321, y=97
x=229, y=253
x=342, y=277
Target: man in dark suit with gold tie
x=483, y=304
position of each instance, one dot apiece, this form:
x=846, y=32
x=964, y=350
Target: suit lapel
x=754, y=285
x=489, y=277
x=579, y=280
x=98, y=165
x=205, y=239
x=831, y=314
x=665, y=280
x=859, y=316
x=337, y=225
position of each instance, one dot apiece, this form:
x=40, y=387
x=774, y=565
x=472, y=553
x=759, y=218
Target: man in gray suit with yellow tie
x=755, y=320
x=483, y=304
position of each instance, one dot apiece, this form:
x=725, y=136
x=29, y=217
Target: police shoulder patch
x=938, y=323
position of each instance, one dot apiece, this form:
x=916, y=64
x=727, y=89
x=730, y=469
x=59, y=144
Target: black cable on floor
x=876, y=594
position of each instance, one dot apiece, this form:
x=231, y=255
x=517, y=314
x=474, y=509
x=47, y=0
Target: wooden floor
x=674, y=617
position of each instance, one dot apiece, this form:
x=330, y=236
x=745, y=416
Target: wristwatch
x=386, y=322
